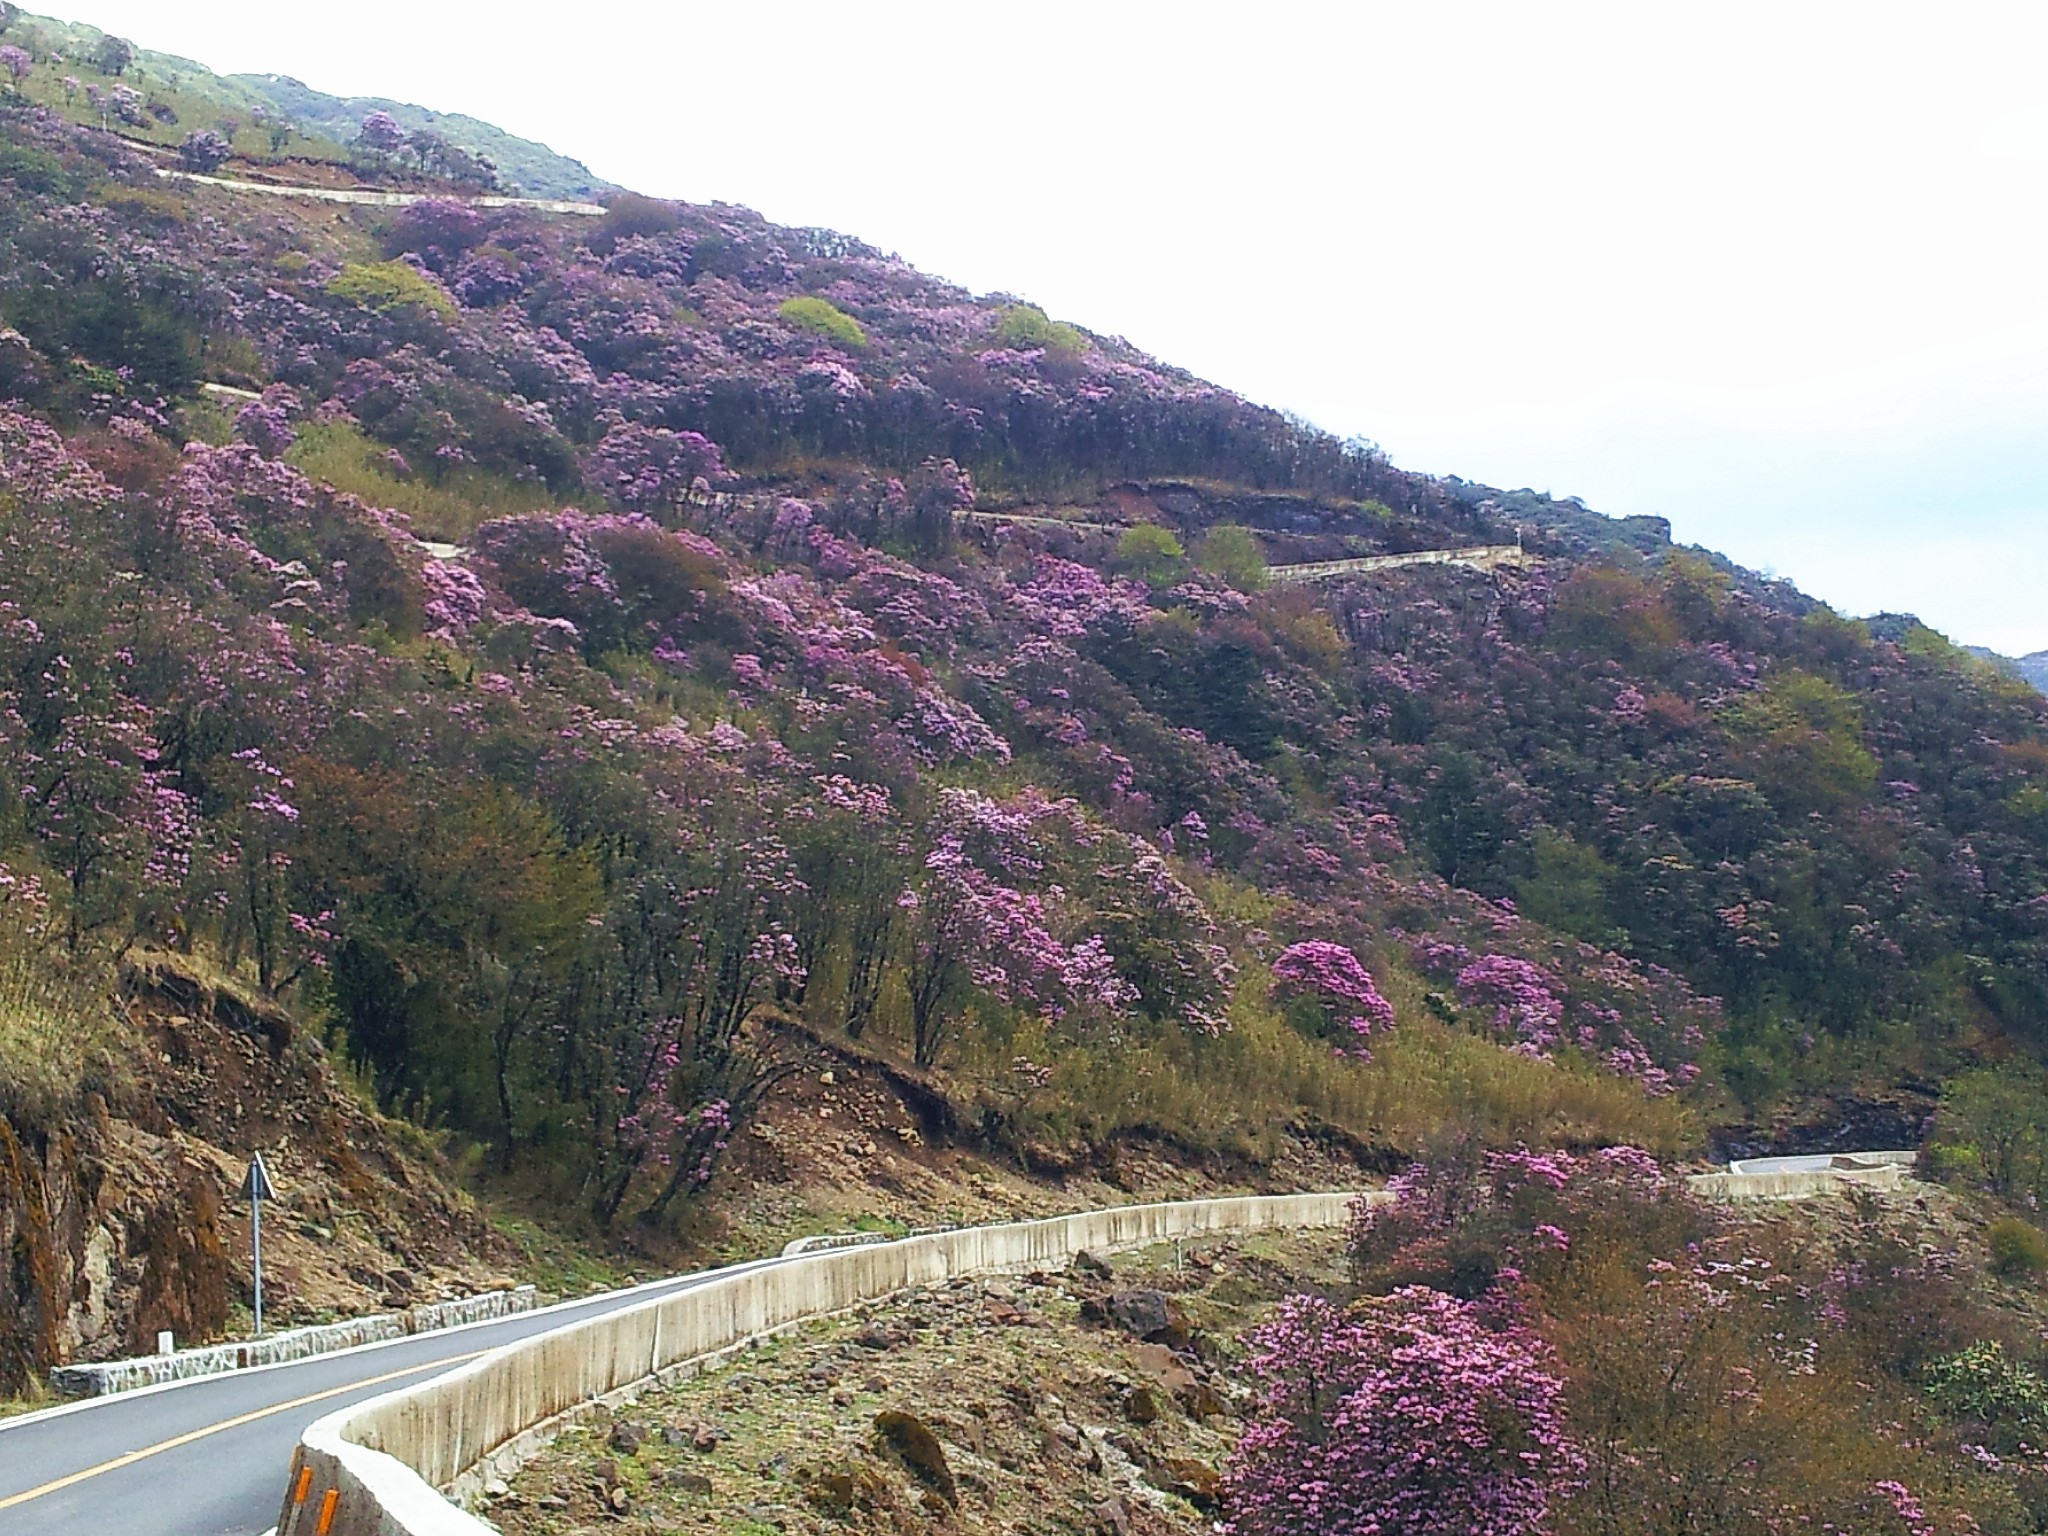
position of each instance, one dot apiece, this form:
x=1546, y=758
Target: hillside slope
x=265, y=119
x=606, y=651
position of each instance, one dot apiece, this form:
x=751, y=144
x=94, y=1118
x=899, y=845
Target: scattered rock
x=1112, y=1519
x=705, y=1438
x=627, y=1437
x=839, y=1491
x=1143, y=1314
x=911, y=1438
x=880, y=1336
x=1090, y=1263
x=1183, y=1476
x=688, y=1482
x=620, y=1501
x=1141, y=1405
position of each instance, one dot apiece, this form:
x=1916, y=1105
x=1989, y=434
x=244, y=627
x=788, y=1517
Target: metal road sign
x=257, y=1188
x=256, y=1183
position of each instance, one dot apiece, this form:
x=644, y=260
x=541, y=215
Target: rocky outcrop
x=123, y=1220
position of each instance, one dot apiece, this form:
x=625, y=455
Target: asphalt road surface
x=209, y=1457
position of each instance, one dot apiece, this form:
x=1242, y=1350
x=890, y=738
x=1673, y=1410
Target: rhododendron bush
x=1409, y=1413
x=1698, y=1369
x=1331, y=978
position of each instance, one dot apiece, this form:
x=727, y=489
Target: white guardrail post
x=377, y=1468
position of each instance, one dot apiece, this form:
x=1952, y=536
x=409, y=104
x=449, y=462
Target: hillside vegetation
x=574, y=670
x=267, y=122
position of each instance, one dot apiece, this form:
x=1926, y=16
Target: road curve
x=202, y=1457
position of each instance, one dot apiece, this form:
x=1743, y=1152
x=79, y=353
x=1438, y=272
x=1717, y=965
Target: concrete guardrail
x=378, y=1468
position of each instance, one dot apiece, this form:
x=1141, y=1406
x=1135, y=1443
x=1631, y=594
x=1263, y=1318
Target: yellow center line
x=213, y=1429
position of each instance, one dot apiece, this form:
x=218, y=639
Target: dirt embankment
x=126, y=1218
x=852, y=1139
x=1104, y=1399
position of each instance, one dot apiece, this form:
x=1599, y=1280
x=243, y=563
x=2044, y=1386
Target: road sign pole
x=256, y=1248
x=256, y=1185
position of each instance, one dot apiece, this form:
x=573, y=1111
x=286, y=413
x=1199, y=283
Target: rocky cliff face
x=125, y=1219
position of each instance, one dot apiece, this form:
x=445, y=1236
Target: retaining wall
x=373, y=1469
x=1795, y=1186
x=293, y=1344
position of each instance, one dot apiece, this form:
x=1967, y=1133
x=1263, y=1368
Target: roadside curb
x=104, y=1378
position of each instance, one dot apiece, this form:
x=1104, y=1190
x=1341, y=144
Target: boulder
x=1145, y=1315
x=627, y=1437
x=912, y=1439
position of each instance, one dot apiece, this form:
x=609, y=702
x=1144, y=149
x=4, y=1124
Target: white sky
x=1774, y=271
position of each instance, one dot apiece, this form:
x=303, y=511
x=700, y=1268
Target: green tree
x=1026, y=325
x=1802, y=738
x=1233, y=554
x=1151, y=554
x=1993, y=1127
x=1566, y=886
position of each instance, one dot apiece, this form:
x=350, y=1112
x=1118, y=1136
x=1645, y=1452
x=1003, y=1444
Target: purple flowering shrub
x=1409, y=1413
x=1345, y=999
x=1713, y=1371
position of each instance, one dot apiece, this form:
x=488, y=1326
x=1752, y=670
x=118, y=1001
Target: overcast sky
x=1774, y=271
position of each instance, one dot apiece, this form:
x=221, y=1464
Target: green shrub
x=1233, y=553
x=1151, y=554
x=382, y=285
x=1026, y=325
x=2017, y=1247
x=1984, y=1384
x=821, y=317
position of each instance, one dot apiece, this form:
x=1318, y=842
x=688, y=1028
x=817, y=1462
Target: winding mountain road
x=207, y=1457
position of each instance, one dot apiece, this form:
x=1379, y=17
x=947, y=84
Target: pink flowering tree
x=380, y=136
x=1334, y=991
x=1521, y=997
x=1409, y=1415
x=17, y=64
x=986, y=917
x=651, y=469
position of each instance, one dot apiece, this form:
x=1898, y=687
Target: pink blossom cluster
x=1334, y=977
x=1412, y=1413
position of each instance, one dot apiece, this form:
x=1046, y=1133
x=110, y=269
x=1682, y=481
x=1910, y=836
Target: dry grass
x=1243, y=1091
x=61, y=1031
x=448, y=509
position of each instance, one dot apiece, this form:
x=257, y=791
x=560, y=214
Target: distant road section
x=1825, y=1162
x=1483, y=557
x=380, y=199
